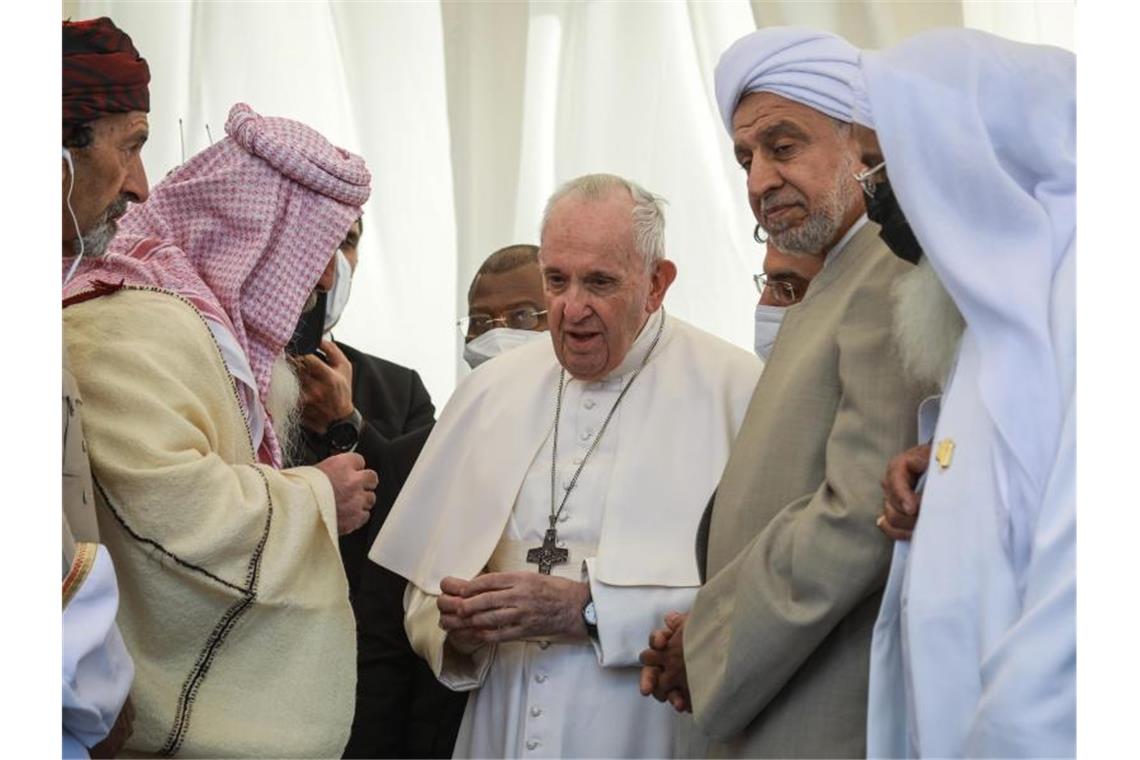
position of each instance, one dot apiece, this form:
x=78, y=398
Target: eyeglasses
x=475, y=325
x=784, y=293
x=865, y=181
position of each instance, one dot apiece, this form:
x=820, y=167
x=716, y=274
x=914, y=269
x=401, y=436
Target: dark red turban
x=102, y=72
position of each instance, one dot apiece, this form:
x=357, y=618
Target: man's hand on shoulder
x=326, y=389
x=497, y=607
x=353, y=487
x=901, y=503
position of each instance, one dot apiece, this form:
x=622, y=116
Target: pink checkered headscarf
x=243, y=231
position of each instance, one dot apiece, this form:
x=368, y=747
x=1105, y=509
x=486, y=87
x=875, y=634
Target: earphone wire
x=74, y=220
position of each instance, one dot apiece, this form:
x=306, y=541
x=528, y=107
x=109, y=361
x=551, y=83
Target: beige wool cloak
x=234, y=605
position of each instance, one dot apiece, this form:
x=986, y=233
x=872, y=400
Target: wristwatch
x=590, y=617
x=343, y=435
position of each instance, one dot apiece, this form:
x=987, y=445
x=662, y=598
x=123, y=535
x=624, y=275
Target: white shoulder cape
x=677, y=424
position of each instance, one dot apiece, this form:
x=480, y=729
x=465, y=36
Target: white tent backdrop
x=470, y=113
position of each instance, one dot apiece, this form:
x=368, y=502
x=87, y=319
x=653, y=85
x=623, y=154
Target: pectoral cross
x=548, y=555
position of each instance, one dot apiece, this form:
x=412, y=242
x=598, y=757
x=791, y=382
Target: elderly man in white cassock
x=549, y=522
x=974, y=651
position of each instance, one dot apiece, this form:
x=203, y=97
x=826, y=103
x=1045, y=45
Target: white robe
x=963, y=663
x=97, y=670
x=574, y=699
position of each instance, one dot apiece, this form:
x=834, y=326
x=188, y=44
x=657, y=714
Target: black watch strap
x=590, y=617
x=344, y=435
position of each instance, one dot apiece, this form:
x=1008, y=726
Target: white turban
x=808, y=66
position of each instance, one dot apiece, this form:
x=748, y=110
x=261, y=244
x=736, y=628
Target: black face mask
x=883, y=209
x=310, y=328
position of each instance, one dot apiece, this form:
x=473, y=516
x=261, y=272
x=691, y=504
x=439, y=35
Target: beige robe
x=79, y=525
x=777, y=644
x=233, y=601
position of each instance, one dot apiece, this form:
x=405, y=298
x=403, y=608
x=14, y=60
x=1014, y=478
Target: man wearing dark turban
x=105, y=105
x=105, y=100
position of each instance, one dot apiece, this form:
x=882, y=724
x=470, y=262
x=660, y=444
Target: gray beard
x=822, y=225
x=96, y=239
x=927, y=325
x=283, y=403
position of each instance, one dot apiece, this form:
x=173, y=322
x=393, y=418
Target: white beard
x=283, y=403
x=927, y=325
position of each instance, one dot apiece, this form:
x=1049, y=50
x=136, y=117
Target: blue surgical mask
x=768, y=319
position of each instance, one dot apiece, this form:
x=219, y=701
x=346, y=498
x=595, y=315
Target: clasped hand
x=496, y=607
x=663, y=674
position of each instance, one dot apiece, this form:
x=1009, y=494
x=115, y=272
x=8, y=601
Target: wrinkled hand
x=663, y=672
x=326, y=389
x=901, y=505
x=353, y=487
x=509, y=607
x=117, y=737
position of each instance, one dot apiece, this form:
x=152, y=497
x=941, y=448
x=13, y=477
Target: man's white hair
x=283, y=402
x=927, y=325
x=648, y=210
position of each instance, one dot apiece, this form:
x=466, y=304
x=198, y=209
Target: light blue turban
x=808, y=66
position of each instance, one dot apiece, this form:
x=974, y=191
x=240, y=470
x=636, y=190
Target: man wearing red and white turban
x=234, y=601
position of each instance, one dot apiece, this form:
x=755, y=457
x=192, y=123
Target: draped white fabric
x=471, y=113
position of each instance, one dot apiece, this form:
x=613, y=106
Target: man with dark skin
x=505, y=304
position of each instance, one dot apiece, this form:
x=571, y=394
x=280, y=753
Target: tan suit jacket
x=777, y=644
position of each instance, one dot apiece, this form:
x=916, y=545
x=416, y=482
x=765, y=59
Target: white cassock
x=97, y=671
x=479, y=497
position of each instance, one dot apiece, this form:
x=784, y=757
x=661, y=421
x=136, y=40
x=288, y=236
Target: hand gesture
x=353, y=487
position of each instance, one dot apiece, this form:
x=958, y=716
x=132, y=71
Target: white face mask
x=494, y=342
x=768, y=319
x=338, y=295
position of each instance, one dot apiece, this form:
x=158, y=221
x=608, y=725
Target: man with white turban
x=776, y=645
x=975, y=648
x=234, y=603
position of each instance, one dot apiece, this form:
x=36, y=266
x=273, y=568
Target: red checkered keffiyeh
x=243, y=231
x=102, y=72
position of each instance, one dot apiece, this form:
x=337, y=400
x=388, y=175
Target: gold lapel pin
x=945, y=453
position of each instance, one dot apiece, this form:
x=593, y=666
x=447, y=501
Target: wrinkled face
x=108, y=174
x=500, y=295
x=599, y=292
x=800, y=165
x=797, y=271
